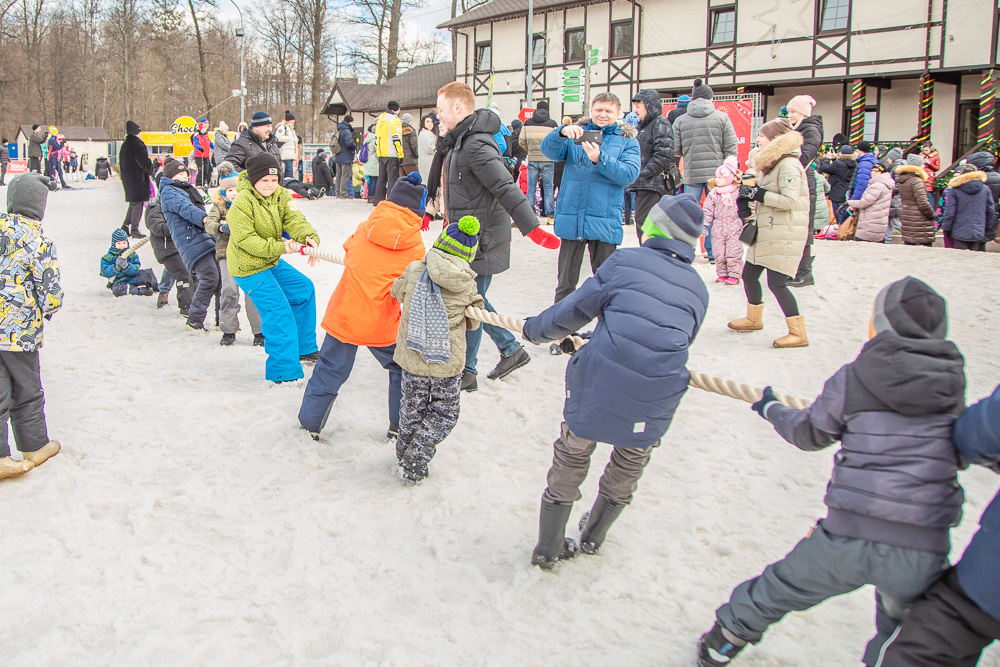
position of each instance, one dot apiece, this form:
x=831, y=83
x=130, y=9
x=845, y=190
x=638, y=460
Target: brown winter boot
x=40, y=456
x=754, y=321
x=11, y=468
x=796, y=333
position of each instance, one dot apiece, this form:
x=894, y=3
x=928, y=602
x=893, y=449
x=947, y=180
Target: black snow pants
x=22, y=401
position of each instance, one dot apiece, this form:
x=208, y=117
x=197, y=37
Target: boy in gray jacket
x=430, y=345
x=894, y=494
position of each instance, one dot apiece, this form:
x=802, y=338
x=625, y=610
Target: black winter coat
x=478, y=183
x=159, y=233
x=322, y=176
x=811, y=129
x=656, y=142
x=541, y=117
x=841, y=174
x=249, y=144
x=134, y=165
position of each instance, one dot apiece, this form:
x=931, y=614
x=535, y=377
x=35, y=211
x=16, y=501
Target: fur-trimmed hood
x=629, y=131
x=788, y=144
x=912, y=169
x=962, y=179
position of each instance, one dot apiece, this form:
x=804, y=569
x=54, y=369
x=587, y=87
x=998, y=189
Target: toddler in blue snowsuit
x=124, y=274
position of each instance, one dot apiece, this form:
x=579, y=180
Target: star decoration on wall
x=788, y=18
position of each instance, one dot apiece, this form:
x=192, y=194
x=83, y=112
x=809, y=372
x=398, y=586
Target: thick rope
x=715, y=385
x=138, y=245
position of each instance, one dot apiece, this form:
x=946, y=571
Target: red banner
x=740, y=112
x=17, y=167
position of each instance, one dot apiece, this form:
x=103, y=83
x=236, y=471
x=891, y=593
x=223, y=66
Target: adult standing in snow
x=343, y=159
x=322, y=176
x=388, y=149
x=4, y=160
x=202, y=153
x=410, y=150
x=35, y=142
x=477, y=183
x=704, y=137
x=970, y=217
x=56, y=143
x=984, y=161
x=873, y=206
x=782, y=202
x=800, y=115
x=679, y=110
x=839, y=168
x=932, y=164
x=136, y=170
x=618, y=392
x=656, y=141
x=426, y=145
x=589, y=210
x=865, y=159
x=916, y=217
x=540, y=168
x=222, y=143
x=288, y=140
x=253, y=140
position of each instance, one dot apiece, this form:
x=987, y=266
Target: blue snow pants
x=286, y=300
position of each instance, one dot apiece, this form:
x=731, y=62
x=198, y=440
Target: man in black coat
x=656, y=141
x=322, y=176
x=136, y=169
x=985, y=162
x=839, y=169
x=35, y=142
x=811, y=128
x=477, y=183
x=253, y=140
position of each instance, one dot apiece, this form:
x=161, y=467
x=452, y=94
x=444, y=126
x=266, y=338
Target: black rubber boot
x=594, y=525
x=804, y=275
x=553, y=545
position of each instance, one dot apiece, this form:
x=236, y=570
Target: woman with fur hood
x=916, y=215
x=873, y=207
x=969, y=213
x=782, y=213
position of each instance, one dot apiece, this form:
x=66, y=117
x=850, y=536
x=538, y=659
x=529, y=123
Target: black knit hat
x=261, y=165
x=173, y=167
x=289, y=115
x=865, y=146
x=348, y=118
x=912, y=309
x=393, y=105
x=409, y=192
x=542, y=104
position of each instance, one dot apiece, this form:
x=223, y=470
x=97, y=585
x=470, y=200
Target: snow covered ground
x=188, y=521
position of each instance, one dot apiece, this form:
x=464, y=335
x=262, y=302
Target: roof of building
x=416, y=87
x=74, y=132
x=508, y=9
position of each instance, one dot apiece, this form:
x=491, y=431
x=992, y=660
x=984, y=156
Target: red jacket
x=202, y=144
x=932, y=163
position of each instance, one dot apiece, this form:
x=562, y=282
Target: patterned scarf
x=427, y=332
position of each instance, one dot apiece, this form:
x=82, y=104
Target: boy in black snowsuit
x=894, y=494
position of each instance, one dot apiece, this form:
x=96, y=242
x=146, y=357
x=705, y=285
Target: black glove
x=121, y=263
x=568, y=345
x=752, y=192
x=760, y=407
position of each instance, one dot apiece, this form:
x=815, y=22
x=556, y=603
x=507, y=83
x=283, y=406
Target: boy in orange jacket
x=361, y=311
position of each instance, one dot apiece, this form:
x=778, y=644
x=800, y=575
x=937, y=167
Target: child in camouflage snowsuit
x=430, y=344
x=29, y=286
x=124, y=274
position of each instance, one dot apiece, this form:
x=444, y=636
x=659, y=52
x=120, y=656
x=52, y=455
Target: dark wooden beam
x=879, y=82
x=951, y=78
x=763, y=90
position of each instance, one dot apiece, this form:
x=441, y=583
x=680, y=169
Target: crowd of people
x=904, y=432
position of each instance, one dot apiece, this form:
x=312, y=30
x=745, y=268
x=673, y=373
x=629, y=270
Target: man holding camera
x=601, y=160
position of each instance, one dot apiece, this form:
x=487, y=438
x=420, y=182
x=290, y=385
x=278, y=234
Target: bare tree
x=201, y=49
x=124, y=20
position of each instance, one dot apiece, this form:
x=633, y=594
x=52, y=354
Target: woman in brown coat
x=782, y=212
x=916, y=216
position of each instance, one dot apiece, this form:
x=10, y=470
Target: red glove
x=544, y=238
x=426, y=224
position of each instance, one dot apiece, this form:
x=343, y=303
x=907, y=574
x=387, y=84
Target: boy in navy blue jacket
x=621, y=394
x=960, y=615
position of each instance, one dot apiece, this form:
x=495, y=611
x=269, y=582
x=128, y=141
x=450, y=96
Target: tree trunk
x=201, y=58
x=392, y=52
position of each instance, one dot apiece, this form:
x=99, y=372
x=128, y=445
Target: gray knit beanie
x=912, y=309
x=27, y=195
x=915, y=160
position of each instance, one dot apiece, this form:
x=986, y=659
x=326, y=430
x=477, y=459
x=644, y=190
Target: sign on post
x=526, y=113
x=573, y=83
x=594, y=56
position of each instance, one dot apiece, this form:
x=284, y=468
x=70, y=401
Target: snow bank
x=189, y=521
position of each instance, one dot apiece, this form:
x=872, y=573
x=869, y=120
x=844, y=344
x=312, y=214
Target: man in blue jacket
x=624, y=395
x=184, y=209
x=592, y=192
x=865, y=159
x=344, y=159
x=960, y=615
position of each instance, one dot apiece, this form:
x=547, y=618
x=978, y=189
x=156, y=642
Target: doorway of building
x=966, y=127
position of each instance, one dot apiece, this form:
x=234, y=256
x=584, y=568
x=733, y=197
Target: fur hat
x=915, y=159
x=118, y=236
x=912, y=309
x=460, y=239
x=679, y=217
x=260, y=118
x=802, y=103
x=409, y=192
x=261, y=165
x=28, y=193
x=701, y=91
x=773, y=129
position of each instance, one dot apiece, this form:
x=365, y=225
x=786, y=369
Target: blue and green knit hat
x=460, y=239
x=118, y=235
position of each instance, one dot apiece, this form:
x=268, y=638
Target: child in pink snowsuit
x=721, y=215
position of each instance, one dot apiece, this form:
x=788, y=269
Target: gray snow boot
x=553, y=545
x=594, y=525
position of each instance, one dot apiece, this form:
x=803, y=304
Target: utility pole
x=528, y=66
x=243, y=84
x=586, y=79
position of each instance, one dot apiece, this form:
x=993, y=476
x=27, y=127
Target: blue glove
x=524, y=336
x=224, y=228
x=768, y=399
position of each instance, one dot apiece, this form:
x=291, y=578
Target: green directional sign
x=572, y=74
x=571, y=98
x=594, y=56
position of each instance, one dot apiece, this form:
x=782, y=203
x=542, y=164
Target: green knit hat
x=460, y=239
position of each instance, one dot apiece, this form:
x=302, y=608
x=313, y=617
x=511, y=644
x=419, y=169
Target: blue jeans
x=503, y=338
x=336, y=360
x=286, y=301
x=697, y=189
x=166, y=282
x=545, y=171
x=289, y=169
